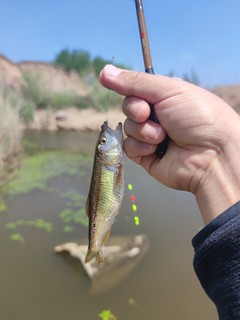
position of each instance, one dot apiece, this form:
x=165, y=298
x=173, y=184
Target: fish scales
x=106, y=189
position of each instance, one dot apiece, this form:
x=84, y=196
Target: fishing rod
x=162, y=147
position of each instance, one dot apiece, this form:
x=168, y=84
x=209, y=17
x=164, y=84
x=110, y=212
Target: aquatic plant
x=68, y=229
x=75, y=211
x=3, y=205
x=140, y=308
x=74, y=215
x=38, y=224
x=107, y=315
x=17, y=237
x=38, y=168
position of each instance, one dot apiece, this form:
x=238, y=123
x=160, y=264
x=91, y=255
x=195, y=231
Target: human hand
x=204, y=133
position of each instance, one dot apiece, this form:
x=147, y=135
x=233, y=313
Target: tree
x=78, y=60
x=63, y=59
x=98, y=64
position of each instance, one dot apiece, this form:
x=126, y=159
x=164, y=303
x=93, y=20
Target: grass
x=36, y=93
x=10, y=135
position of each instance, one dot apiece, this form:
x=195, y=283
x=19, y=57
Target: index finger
x=136, y=109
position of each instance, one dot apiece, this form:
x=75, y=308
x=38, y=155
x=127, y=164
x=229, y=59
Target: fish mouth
x=115, y=137
x=105, y=126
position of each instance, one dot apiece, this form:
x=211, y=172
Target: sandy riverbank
x=74, y=119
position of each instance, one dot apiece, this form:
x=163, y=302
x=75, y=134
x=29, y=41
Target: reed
x=10, y=135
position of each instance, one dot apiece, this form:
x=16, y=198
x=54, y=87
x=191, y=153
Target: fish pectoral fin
x=106, y=236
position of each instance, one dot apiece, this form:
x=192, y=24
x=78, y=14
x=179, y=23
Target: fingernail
x=111, y=70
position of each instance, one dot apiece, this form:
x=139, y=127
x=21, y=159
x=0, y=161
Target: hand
x=204, y=133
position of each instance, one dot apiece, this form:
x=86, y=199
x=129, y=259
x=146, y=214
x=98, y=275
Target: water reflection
x=36, y=284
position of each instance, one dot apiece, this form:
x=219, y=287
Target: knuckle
x=135, y=77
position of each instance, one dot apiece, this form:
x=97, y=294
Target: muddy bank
x=74, y=119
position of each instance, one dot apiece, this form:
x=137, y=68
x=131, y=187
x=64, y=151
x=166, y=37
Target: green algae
x=38, y=224
x=68, y=229
x=3, y=205
x=75, y=211
x=17, y=237
x=107, y=315
x=38, y=168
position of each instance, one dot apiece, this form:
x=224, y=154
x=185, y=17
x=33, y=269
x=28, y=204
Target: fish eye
x=103, y=140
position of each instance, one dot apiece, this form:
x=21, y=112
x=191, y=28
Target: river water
x=37, y=284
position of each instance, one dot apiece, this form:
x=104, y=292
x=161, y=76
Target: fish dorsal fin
x=106, y=236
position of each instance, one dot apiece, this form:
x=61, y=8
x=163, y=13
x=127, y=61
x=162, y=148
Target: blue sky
x=184, y=35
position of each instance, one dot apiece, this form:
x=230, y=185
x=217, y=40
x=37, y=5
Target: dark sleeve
x=217, y=262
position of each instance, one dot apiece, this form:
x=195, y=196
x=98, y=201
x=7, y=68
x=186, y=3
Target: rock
x=61, y=115
x=122, y=255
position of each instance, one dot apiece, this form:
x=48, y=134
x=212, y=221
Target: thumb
x=151, y=88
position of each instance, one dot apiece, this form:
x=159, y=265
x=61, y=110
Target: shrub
x=78, y=60
x=35, y=91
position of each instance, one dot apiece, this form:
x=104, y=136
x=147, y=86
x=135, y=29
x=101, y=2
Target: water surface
x=37, y=284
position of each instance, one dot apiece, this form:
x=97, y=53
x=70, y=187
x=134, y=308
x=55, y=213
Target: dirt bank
x=74, y=119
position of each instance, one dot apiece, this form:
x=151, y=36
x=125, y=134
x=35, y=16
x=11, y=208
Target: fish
x=106, y=189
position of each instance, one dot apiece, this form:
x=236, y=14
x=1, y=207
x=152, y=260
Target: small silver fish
x=106, y=189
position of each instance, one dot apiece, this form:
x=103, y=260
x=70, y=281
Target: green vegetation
x=3, y=205
x=17, y=237
x=107, y=315
x=10, y=133
x=38, y=224
x=37, y=168
x=78, y=60
x=68, y=229
x=37, y=94
x=75, y=211
x=81, y=61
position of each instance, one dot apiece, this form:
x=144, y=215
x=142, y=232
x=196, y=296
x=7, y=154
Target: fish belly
x=104, y=201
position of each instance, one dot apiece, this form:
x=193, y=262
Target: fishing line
x=132, y=197
x=108, y=91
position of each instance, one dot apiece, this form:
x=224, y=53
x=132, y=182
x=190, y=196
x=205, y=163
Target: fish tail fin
x=99, y=258
x=98, y=255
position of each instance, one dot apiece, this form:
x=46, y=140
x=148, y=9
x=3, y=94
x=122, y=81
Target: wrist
x=219, y=187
